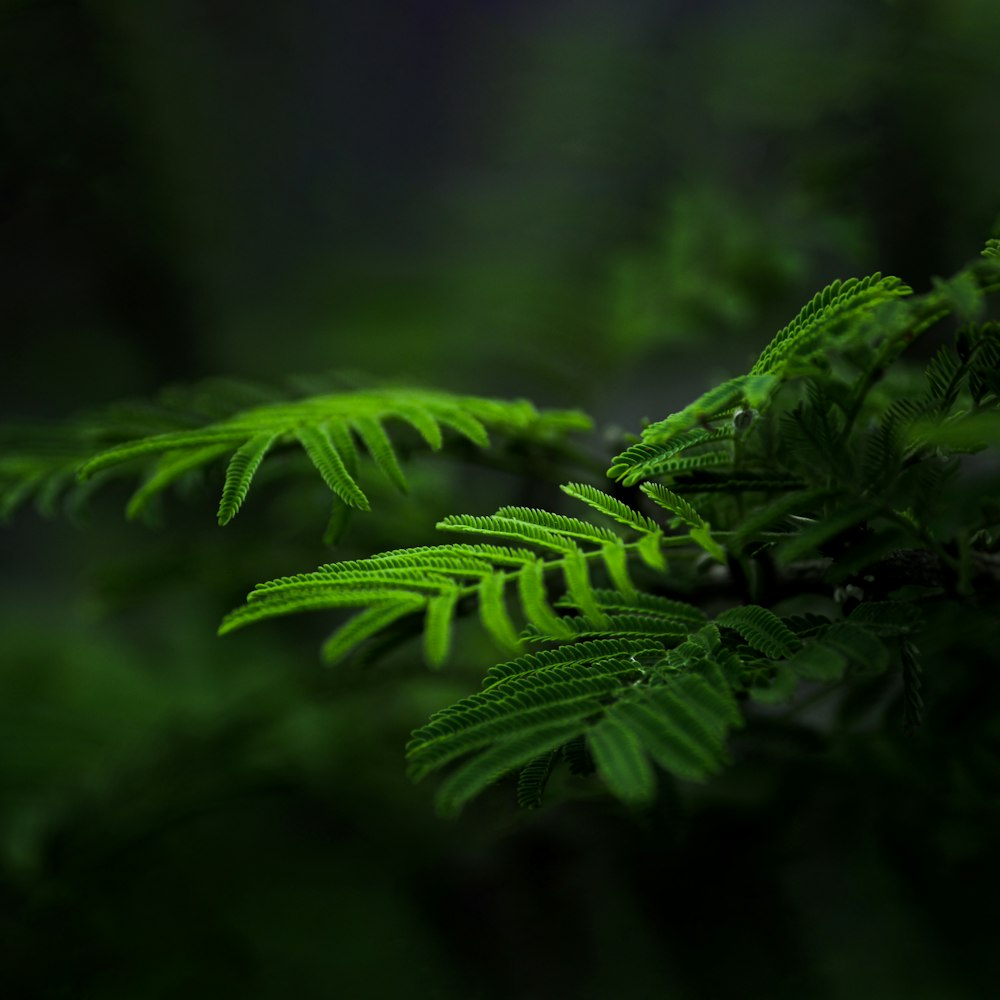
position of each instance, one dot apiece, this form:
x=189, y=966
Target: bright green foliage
x=677, y=505
x=651, y=458
x=831, y=470
x=608, y=505
x=242, y=467
x=434, y=578
x=630, y=677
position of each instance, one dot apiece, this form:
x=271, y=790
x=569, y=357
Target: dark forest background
x=596, y=204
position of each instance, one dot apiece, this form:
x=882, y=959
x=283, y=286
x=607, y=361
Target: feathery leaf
x=239, y=474
x=437, y=630
x=318, y=446
x=368, y=623
x=613, y=508
x=621, y=761
x=762, y=629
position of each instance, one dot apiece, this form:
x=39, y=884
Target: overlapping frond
x=600, y=704
x=604, y=701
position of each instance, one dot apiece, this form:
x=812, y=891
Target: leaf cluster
x=646, y=624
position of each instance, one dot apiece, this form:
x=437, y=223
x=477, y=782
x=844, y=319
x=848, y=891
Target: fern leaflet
x=240, y=472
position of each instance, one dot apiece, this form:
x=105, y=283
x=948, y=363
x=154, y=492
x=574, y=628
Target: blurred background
x=596, y=204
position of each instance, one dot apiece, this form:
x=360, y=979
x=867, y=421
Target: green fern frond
x=438, y=627
x=343, y=442
x=493, y=611
x=533, y=778
x=629, y=651
x=239, y=474
x=684, y=736
x=477, y=774
x=708, y=692
x=555, y=695
x=762, y=629
x=170, y=467
x=608, y=505
x=189, y=427
x=655, y=457
x=614, y=627
x=945, y=374
x=318, y=599
x=831, y=313
x=368, y=623
x=720, y=400
x=329, y=464
x=159, y=444
x=480, y=571
x=693, y=652
x=651, y=552
x=379, y=446
x=423, y=422
x=670, y=734
x=427, y=567
x=837, y=313
x=371, y=574
x=534, y=600
x=621, y=761
x=525, y=532
x=884, y=454
x=581, y=592
x=653, y=605
x=479, y=554
x=570, y=527
x=677, y=505
x=614, y=555
x=468, y=425
x=992, y=249
x=578, y=757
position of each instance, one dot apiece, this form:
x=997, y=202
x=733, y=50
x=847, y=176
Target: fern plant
x=655, y=615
